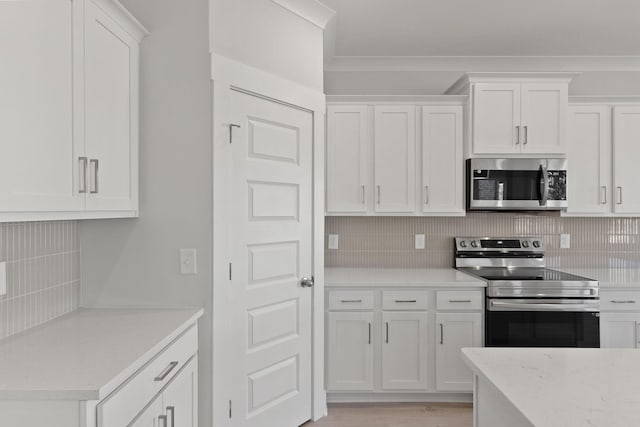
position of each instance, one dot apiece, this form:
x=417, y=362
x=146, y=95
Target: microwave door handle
x=544, y=185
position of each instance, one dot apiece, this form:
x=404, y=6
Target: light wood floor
x=397, y=415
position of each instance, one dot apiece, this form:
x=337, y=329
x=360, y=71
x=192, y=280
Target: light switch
x=188, y=261
x=3, y=278
x=419, y=241
x=565, y=241
x=333, y=241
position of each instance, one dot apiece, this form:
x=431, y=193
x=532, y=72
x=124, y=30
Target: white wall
x=135, y=262
x=264, y=35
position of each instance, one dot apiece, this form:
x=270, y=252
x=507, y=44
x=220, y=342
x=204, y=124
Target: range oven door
x=517, y=184
x=542, y=323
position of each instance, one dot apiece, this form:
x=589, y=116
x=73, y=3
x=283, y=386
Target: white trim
x=461, y=86
x=399, y=397
x=116, y=10
x=311, y=10
x=482, y=63
x=59, y=216
x=228, y=74
x=618, y=99
x=386, y=99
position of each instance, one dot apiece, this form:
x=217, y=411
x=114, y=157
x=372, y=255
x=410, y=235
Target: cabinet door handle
x=162, y=421
x=426, y=194
x=459, y=300
x=629, y=301
x=604, y=195
x=405, y=300
x=441, y=334
x=171, y=414
x=526, y=135
x=363, y=194
x=350, y=300
x=166, y=371
x=619, y=202
x=517, y=135
x=378, y=189
x=82, y=169
x=93, y=166
x=637, y=333
x=369, y=332
x=386, y=325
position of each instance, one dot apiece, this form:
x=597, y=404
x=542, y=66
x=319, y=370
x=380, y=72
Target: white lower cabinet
x=456, y=331
x=620, y=318
x=404, y=350
x=350, y=351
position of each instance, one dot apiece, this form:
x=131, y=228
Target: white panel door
x=496, y=118
x=442, y=165
x=626, y=152
x=180, y=398
x=404, y=350
x=455, y=331
x=110, y=83
x=543, y=118
x=348, y=165
x=271, y=252
x=39, y=147
x=394, y=152
x=619, y=330
x=589, y=153
x=350, y=350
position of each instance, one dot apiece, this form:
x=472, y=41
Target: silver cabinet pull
x=459, y=300
x=441, y=334
x=363, y=194
x=604, y=195
x=171, y=414
x=619, y=202
x=350, y=300
x=629, y=301
x=517, y=135
x=82, y=173
x=637, y=333
x=93, y=167
x=378, y=189
x=526, y=135
x=166, y=371
x=405, y=300
x=386, y=325
x=426, y=194
x=369, y=332
x=162, y=421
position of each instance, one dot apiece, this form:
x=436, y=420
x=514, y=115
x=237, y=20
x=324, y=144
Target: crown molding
x=462, y=84
x=603, y=99
x=482, y=63
x=387, y=99
x=311, y=10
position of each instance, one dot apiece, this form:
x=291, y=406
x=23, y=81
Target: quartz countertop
x=609, y=277
x=407, y=277
x=86, y=354
x=568, y=387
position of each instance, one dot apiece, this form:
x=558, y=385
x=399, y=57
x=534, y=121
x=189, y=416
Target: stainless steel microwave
x=517, y=184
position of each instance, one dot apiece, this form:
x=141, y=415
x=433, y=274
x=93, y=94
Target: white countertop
x=609, y=277
x=84, y=355
x=407, y=277
x=564, y=387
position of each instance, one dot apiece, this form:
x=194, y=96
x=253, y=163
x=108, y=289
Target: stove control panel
x=501, y=244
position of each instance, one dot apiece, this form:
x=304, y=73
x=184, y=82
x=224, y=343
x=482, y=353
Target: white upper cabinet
x=69, y=108
x=37, y=137
x=394, y=153
x=348, y=159
x=626, y=152
x=442, y=164
x=513, y=118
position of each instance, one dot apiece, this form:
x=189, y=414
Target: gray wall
x=134, y=262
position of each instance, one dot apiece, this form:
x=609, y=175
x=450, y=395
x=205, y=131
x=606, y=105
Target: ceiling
x=393, y=28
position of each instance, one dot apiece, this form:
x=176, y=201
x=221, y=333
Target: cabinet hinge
x=229, y=271
x=229, y=409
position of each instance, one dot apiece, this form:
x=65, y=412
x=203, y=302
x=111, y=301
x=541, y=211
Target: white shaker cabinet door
x=39, y=147
x=619, y=330
x=111, y=83
x=626, y=152
x=589, y=152
x=394, y=164
x=348, y=159
x=350, y=351
x=442, y=164
x=180, y=398
x=404, y=350
x=455, y=331
x=496, y=118
x=543, y=118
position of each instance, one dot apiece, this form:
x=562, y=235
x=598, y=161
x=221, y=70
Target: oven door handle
x=544, y=185
x=543, y=306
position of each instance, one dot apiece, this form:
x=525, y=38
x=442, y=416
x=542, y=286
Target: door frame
x=228, y=75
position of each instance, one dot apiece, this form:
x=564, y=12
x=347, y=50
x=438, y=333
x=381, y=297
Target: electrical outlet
x=565, y=241
x=333, y=241
x=3, y=278
x=419, y=241
x=188, y=261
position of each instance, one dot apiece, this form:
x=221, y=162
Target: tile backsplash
x=389, y=241
x=43, y=274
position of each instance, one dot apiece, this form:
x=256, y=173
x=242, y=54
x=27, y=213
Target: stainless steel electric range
x=528, y=305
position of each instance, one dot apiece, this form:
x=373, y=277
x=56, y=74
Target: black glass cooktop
x=523, y=273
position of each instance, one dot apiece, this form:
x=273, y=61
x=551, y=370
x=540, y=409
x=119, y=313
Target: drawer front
x=619, y=300
x=405, y=300
x=351, y=300
x=121, y=406
x=459, y=300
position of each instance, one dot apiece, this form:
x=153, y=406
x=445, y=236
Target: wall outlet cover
x=565, y=241
x=419, y=241
x=188, y=261
x=333, y=241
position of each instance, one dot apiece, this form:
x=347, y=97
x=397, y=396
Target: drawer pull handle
x=406, y=300
x=459, y=300
x=369, y=332
x=171, y=414
x=630, y=301
x=166, y=372
x=350, y=300
x=441, y=333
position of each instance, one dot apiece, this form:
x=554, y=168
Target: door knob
x=306, y=282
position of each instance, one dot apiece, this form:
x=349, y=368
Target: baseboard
x=387, y=397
